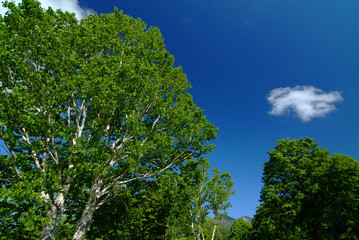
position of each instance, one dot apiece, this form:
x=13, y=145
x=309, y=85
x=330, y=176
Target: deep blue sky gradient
x=235, y=52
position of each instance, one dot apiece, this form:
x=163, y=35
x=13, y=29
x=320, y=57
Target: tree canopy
x=86, y=108
x=308, y=194
x=240, y=230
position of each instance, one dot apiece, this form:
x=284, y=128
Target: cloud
x=64, y=5
x=306, y=101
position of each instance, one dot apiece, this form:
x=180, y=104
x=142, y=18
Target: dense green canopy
x=240, y=230
x=86, y=108
x=308, y=194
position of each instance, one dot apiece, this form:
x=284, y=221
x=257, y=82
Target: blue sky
x=262, y=70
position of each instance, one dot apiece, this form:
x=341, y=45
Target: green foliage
x=156, y=208
x=220, y=190
x=222, y=230
x=240, y=230
x=308, y=194
x=141, y=211
x=86, y=108
x=201, y=195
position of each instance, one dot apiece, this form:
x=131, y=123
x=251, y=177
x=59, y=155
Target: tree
x=205, y=194
x=308, y=194
x=199, y=205
x=240, y=230
x=86, y=108
x=220, y=190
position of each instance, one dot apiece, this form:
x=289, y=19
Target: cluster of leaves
x=308, y=194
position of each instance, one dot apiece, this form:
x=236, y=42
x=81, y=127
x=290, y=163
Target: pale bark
x=54, y=213
x=91, y=205
x=84, y=224
x=214, y=231
x=193, y=231
x=99, y=190
x=199, y=230
x=50, y=230
x=56, y=209
x=13, y=155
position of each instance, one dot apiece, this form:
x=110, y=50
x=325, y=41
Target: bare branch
x=9, y=181
x=68, y=116
x=155, y=122
x=142, y=176
x=25, y=136
x=83, y=109
x=13, y=155
x=112, y=160
x=54, y=156
x=102, y=201
x=65, y=188
x=113, y=182
x=48, y=204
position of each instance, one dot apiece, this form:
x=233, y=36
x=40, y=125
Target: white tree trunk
x=84, y=224
x=214, y=231
x=50, y=229
x=54, y=213
x=193, y=231
x=92, y=203
x=199, y=231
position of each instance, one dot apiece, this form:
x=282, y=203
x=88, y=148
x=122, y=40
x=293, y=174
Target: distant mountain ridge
x=227, y=221
x=229, y=218
x=246, y=218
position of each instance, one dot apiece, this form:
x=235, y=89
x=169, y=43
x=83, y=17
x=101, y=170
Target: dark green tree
x=86, y=108
x=141, y=211
x=240, y=230
x=308, y=194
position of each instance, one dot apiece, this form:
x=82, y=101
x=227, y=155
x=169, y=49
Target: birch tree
x=87, y=107
x=220, y=189
x=209, y=193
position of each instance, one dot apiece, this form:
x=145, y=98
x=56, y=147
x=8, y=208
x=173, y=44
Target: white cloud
x=306, y=101
x=64, y=5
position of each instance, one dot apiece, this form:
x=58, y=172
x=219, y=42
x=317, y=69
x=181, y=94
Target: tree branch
x=13, y=155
